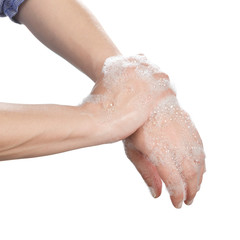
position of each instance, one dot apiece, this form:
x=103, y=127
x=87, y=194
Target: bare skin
x=168, y=148
x=37, y=130
x=80, y=40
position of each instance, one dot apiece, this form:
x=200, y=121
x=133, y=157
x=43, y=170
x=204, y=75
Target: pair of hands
x=134, y=102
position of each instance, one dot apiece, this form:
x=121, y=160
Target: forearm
x=37, y=130
x=67, y=28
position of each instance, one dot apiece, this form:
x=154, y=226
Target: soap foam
x=173, y=141
x=94, y=98
x=166, y=117
x=115, y=67
x=169, y=133
x=118, y=73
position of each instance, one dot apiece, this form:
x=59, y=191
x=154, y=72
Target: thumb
x=147, y=170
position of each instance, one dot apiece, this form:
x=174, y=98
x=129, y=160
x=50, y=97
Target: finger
x=192, y=170
x=147, y=170
x=171, y=177
x=202, y=171
x=191, y=178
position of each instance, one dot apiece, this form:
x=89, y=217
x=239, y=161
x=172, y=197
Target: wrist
x=92, y=128
x=126, y=91
x=98, y=62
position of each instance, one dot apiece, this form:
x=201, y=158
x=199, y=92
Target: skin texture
x=37, y=130
x=169, y=146
x=124, y=97
x=80, y=40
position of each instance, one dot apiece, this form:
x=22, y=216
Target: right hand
x=122, y=100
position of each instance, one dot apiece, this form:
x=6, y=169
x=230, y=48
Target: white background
x=96, y=193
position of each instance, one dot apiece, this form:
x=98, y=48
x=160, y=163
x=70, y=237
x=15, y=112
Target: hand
x=122, y=99
x=168, y=148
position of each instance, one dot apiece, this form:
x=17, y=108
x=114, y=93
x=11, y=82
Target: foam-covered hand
x=168, y=148
x=122, y=100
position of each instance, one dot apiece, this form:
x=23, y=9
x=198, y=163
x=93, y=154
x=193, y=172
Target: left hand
x=168, y=148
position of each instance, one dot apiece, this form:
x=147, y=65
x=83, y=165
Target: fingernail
x=190, y=202
x=152, y=191
x=179, y=205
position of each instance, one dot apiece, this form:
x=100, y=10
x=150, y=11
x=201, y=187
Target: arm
x=67, y=28
x=36, y=130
